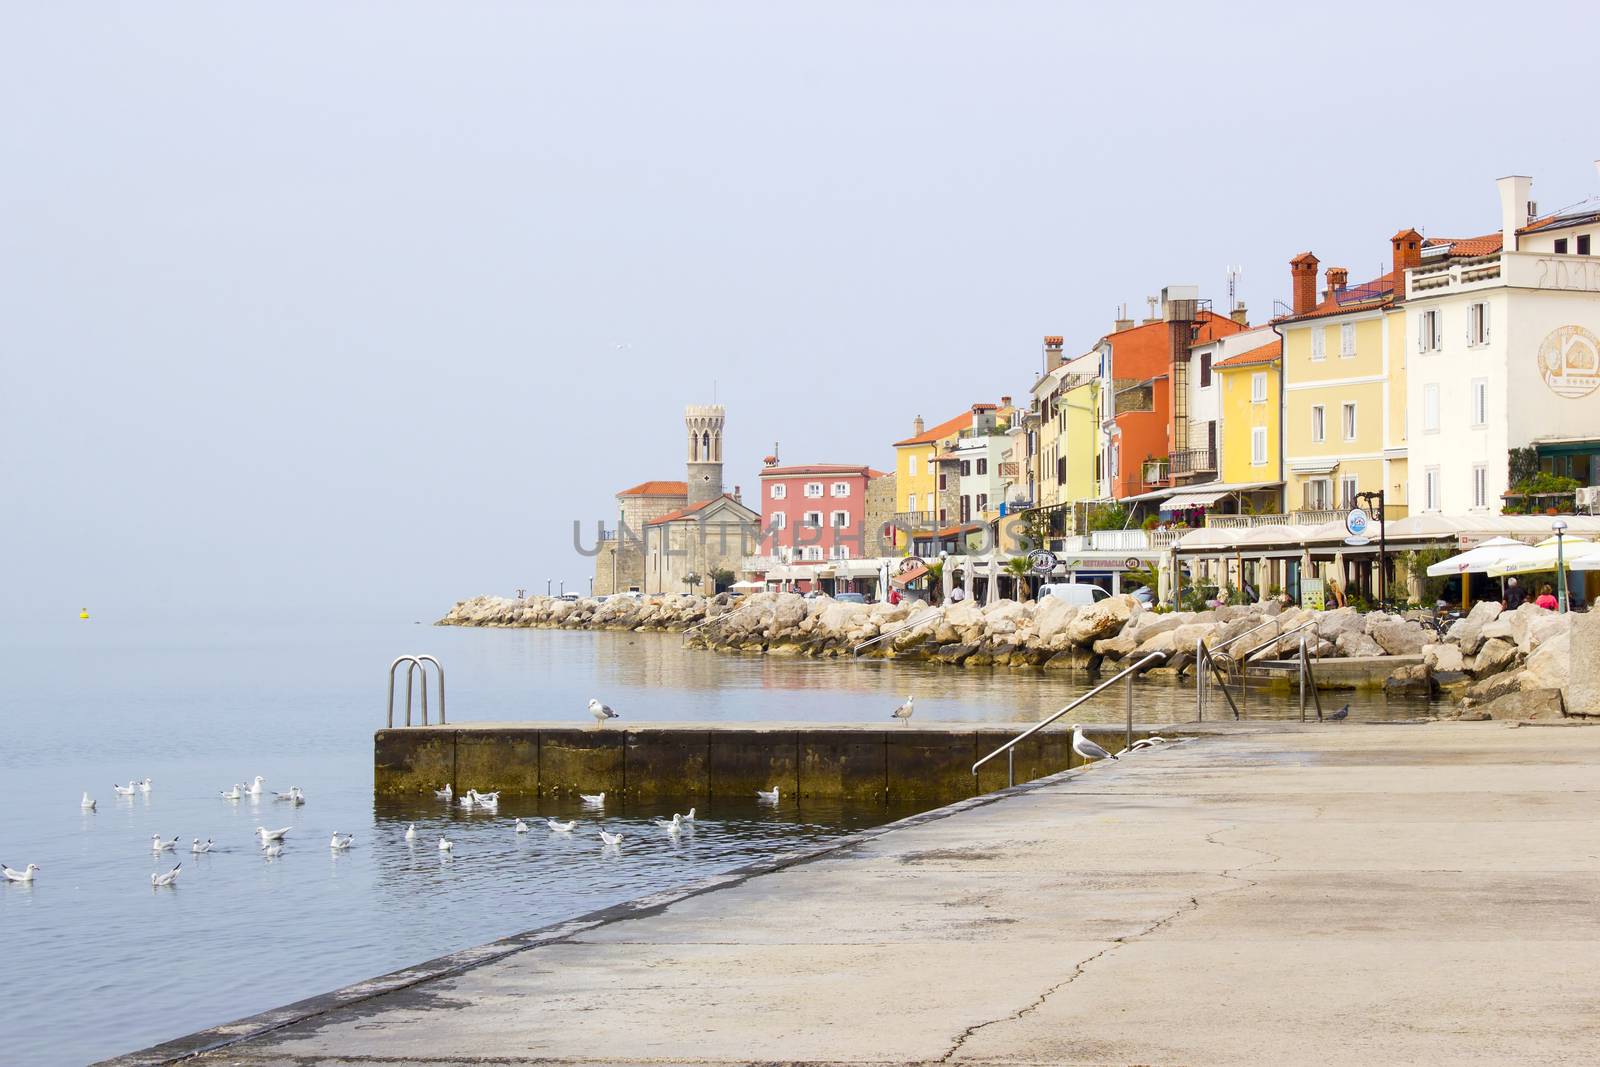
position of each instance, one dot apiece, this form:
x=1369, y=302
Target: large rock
x=1493, y=688
x=1100, y=620
x=1525, y=704
x=1494, y=656
x=1442, y=657
x=1332, y=624
x=1550, y=666
x=1115, y=647
x=1184, y=637
x=1470, y=632
x=1542, y=628
x=1161, y=642
x=1375, y=619
x=1357, y=644
x=1410, y=680
x=1051, y=618
x=1583, y=689
x=1399, y=637
x=1148, y=624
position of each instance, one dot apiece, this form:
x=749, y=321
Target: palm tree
x=935, y=579
x=1020, y=570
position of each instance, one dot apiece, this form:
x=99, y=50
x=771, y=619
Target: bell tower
x=704, y=422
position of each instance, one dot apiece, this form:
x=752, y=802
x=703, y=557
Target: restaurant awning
x=907, y=577
x=1192, y=500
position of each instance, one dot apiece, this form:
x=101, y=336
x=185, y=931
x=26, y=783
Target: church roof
x=694, y=509
x=657, y=488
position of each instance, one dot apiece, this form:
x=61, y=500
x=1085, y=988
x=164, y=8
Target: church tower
x=705, y=451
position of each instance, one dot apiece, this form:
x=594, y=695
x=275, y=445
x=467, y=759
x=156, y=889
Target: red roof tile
x=948, y=428
x=1486, y=245
x=657, y=489
x=1261, y=354
x=819, y=468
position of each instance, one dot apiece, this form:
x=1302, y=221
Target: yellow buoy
x=83, y=614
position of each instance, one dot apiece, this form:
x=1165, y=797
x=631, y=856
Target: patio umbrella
x=993, y=592
x=947, y=576
x=1478, y=559
x=883, y=581
x=1579, y=554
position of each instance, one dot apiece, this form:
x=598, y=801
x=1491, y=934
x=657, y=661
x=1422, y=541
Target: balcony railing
x=1194, y=461
x=1304, y=517
x=1155, y=473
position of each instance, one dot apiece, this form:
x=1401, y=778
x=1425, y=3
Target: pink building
x=816, y=512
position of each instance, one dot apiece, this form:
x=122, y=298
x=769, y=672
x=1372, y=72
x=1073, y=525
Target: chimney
x=1005, y=401
x=1241, y=315
x=1515, y=208
x=1407, y=254
x=1338, y=278
x=1052, y=353
x=1123, y=322
x=737, y=495
x=916, y=427
x=1303, y=269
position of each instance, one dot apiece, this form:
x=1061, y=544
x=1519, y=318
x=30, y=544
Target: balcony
x=1194, y=461
x=1304, y=517
x=1133, y=540
x=1155, y=474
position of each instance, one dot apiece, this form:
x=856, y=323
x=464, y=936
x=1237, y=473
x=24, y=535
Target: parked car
x=569, y=597
x=1144, y=595
x=1074, y=592
x=850, y=598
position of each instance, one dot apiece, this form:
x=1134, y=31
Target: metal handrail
x=1126, y=672
x=1261, y=626
x=1278, y=638
x=907, y=625
x=1306, y=676
x=1203, y=658
x=414, y=664
x=707, y=622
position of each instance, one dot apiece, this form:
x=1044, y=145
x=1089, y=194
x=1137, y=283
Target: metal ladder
x=909, y=624
x=415, y=663
x=1222, y=668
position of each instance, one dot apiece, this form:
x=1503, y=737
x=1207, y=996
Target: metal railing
x=1190, y=460
x=722, y=616
x=902, y=628
x=1305, y=679
x=414, y=664
x=1245, y=658
x=1202, y=660
x=1222, y=666
x=1009, y=747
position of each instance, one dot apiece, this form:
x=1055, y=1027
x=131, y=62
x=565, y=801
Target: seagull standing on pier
x=24, y=875
x=903, y=712
x=88, y=802
x=170, y=878
x=601, y=712
x=1087, y=748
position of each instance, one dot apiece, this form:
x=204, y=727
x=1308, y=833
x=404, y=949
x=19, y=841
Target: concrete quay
x=1343, y=894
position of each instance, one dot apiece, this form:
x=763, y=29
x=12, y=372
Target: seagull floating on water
x=592, y=799
x=254, y=789
x=87, y=803
x=269, y=836
x=126, y=791
x=520, y=828
x=689, y=817
x=602, y=712
x=411, y=831
x=232, y=794
x=197, y=848
x=611, y=840
x=1338, y=716
x=445, y=844
x=24, y=875
x=561, y=827
x=1087, y=748
x=340, y=842
x=144, y=786
x=444, y=794
x=672, y=825
x=170, y=878
x=158, y=845
x=484, y=800
x=293, y=796
x=769, y=796
x=467, y=801
x=903, y=712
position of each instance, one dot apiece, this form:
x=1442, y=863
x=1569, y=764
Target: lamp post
x=547, y=587
x=1560, y=528
x=1383, y=545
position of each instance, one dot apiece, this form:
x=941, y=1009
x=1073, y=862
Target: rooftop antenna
x=1152, y=301
x=1234, y=274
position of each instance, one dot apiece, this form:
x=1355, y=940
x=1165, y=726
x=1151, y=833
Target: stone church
x=671, y=536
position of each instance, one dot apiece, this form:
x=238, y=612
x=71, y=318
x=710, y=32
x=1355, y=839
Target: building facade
x=816, y=512
x=1247, y=384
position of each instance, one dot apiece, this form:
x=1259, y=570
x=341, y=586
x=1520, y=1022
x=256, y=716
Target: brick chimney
x=1123, y=322
x=916, y=426
x=1005, y=401
x=1407, y=253
x=1052, y=353
x=1338, y=278
x=1303, y=269
x=1241, y=315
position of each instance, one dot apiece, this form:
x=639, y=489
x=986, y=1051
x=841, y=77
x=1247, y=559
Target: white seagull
x=445, y=844
x=594, y=800
x=444, y=794
x=274, y=851
x=144, y=786
x=232, y=794
x=254, y=789
x=903, y=712
x=467, y=801
x=171, y=877
x=602, y=712
x=485, y=800
x=520, y=828
x=126, y=791
x=561, y=827
x=1087, y=748
x=197, y=848
x=340, y=842
x=672, y=825
x=24, y=875
x=293, y=796
x=689, y=817
x=411, y=831
x=158, y=845
x=88, y=803
x=269, y=836
x=611, y=840
x=768, y=796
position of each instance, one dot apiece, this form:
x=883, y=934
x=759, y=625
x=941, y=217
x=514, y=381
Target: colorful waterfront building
x=928, y=487
x=817, y=512
x=1248, y=408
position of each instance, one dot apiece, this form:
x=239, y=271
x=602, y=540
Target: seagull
x=87, y=803
x=274, y=851
x=444, y=794
x=340, y=842
x=592, y=799
x=611, y=840
x=445, y=844
x=170, y=878
x=269, y=836
x=689, y=817
x=126, y=791
x=293, y=796
x=601, y=712
x=467, y=801
x=411, y=831
x=1087, y=748
x=24, y=875
x=484, y=800
x=197, y=848
x=672, y=825
x=1337, y=716
x=769, y=796
x=254, y=788
x=561, y=827
x=520, y=828
x=903, y=712
x=144, y=786
x=158, y=845
x=232, y=794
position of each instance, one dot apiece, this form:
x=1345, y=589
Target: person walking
x=1515, y=594
x=1547, y=598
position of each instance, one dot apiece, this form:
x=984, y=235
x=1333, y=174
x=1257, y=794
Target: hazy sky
x=313, y=309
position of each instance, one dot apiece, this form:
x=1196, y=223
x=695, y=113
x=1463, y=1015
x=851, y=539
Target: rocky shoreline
x=1492, y=664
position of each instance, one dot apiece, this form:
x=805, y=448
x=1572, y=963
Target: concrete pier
x=1337, y=895
x=923, y=764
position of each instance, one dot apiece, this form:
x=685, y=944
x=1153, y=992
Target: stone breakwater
x=1494, y=664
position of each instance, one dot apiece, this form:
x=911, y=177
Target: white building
x=1503, y=340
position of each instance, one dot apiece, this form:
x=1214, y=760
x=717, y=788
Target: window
x=813, y=552
x=911, y=467
x=841, y=520
x=911, y=502
x=983, y=502
x=779, y=491
x=813, y=518
x=1318, y=351
x=1430, y=489
x=1205, y=370
x=1561, y=246
x=1348, y=420
x=983, y=466
x=839, y=489
x=1480, y=486
x=1583, y=244
x=1258, y=446
x=929, y=508
x=942, y=485
x=840, y=552
x=814, y=489
x=1430, y=408
x=780, y=520
x=1478, y=323
x=1319, y=431
x=1258, y=387
x=1317, y=492
x=1347, y=339
x=1480, y=401
x=966, y=508
x=1347, y=491
x=1429, y=337
x=941, y=515
x=966, y=468
x=1061, y=470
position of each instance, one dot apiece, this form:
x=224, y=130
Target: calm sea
x=97, y=962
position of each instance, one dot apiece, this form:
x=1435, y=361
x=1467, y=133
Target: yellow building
x=1344, y=392
x=927, y=492
x=1250, y=415
x=1067, y=400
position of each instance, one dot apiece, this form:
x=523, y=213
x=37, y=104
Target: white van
x=1074, y=592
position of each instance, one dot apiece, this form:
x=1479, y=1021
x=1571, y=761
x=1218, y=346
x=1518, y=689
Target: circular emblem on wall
x=910, y=563
x=1131, y=563
x=1569, y=361
x=1041, y=562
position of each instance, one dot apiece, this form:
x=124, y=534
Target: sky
x=345, y=311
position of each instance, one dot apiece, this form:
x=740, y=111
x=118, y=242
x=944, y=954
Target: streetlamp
x=547, y=587
x=1560, y=528
x=562, y=587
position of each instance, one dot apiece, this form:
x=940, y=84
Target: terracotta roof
x=1571, y=218
x=683, y=513
x=1486, y=245
x=948, y=428
x=1354, y=298
x=819, y=468
x=657, y=489
x=871, y=473
x=1261, y=354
